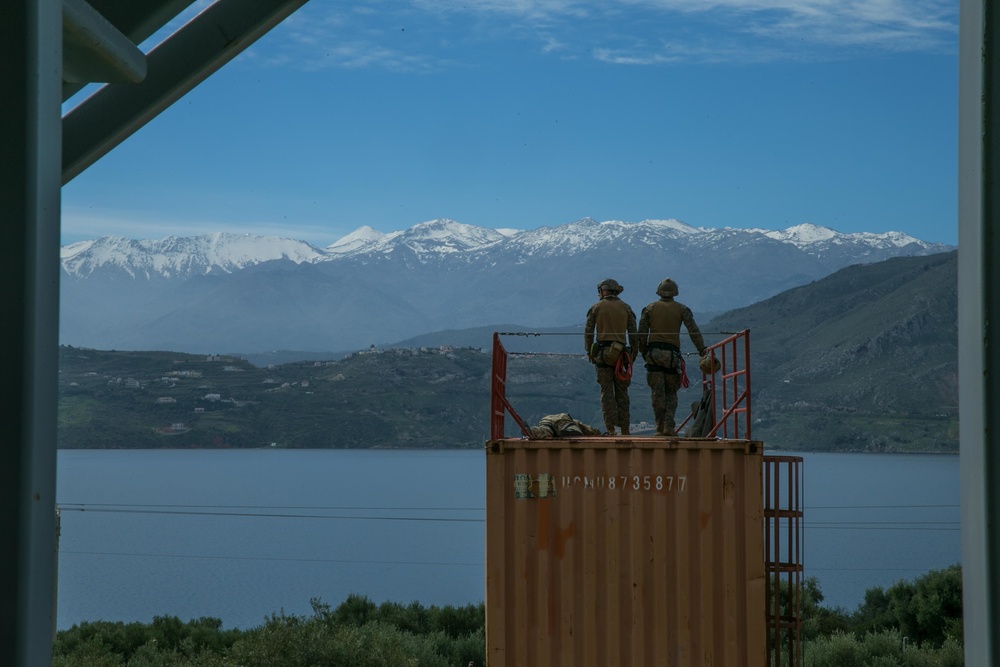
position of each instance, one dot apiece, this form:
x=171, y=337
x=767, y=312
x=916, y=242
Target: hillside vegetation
x=864, y=360
x=915, y=623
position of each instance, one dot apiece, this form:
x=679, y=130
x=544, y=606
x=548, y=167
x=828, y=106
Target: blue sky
x=520, y=114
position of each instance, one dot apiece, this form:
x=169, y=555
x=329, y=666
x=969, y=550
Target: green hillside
x=426, y=398
x=865, y=359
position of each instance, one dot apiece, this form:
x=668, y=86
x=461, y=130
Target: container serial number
x=676, y=483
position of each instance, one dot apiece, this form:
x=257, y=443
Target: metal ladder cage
x=783, y=558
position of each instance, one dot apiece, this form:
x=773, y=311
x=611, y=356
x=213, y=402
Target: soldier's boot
x=625, y=430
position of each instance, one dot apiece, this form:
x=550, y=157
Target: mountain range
x=250, y=294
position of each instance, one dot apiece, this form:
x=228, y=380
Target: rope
x=684, y=376
x=623, y=367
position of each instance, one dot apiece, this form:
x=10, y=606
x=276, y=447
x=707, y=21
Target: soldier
x=659, y=342
x=610, y=325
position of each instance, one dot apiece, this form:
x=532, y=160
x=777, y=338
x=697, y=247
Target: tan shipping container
x=624, y=551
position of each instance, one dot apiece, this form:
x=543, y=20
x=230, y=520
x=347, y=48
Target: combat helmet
x=667, y=287
x=709, y=364
x=611, y=285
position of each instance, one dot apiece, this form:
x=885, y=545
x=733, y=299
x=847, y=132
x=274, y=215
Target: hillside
x=428, y=398
x=863, y=360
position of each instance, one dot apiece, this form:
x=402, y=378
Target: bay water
x=241, y=534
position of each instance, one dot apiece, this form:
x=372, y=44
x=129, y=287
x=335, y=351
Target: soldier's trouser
x=663, y=390
x=614, y=398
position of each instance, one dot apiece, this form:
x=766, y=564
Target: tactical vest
x=665, y=318
x=611, y=320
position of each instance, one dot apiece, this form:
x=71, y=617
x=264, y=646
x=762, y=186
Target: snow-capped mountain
x=228, y=292
x=180, y=257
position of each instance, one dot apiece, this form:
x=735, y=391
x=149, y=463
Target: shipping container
x=625, y=551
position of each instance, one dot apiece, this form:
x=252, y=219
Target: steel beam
x=138, y=20
x=95, y=51
x=30, y=131
x=978, y=330
x=180, y=63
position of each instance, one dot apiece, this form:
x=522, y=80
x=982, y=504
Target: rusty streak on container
x=624, y=551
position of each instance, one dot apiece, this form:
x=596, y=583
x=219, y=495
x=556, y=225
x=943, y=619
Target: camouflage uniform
x=659, y=343
x=608, y=322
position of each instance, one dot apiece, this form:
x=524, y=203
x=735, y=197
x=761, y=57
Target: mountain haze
x=241, y=293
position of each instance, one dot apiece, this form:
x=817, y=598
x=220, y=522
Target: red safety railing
x=498, y=393
x=729, y=388
x=731, y=391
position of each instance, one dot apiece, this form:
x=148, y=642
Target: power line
x=870, y=569
x=878, y=507
x=279, y=507
x=880, y=528
x=268, y=558
x=73, y=505
x=217, y=510
x=109, y=510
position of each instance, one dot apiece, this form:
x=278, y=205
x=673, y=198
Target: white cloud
x=90, y=223
x=373, y=33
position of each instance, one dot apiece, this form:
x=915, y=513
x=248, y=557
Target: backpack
x=561, y=425
x=704, y=415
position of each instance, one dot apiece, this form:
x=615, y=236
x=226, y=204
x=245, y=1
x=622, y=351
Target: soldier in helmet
x=659, y=342
x=610, y=326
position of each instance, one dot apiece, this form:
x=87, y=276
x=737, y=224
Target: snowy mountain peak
x=673, y=224
x=804, y=234
x=437, y=237
x=808, y=235
x=174, y=256
x=358, y=239
x=453, y=234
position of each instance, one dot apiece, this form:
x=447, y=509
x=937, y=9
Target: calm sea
x=238, y=534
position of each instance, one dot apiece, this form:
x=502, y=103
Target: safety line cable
x=280, y=507
x=108, y=510
x=268, y=558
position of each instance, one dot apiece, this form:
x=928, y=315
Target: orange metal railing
x=498, y=394
x=730, y=393
x=729, y=387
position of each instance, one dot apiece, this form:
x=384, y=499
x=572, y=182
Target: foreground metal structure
x=54, y=48
x=978, y=333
